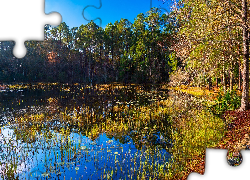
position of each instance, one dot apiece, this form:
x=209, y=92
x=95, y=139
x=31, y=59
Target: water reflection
x=63, y=131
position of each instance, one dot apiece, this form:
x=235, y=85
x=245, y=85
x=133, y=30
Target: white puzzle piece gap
x=18, y=12
x=217, y=168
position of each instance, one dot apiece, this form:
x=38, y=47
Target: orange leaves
x=237, y=130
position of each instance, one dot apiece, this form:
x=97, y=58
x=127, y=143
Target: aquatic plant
x=142, y=128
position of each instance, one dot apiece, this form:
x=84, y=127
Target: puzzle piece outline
x=216, y=163
x=100, y=2
x=98, y=18
x=17, y=31
x=151, y=6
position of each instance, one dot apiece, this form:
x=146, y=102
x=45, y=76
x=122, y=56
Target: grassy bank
x=194, y=129
x=227, y=129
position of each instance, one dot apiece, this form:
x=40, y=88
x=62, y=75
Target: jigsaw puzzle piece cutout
x=217, y=167
x=92, y=6
x=18, y=12
x=163, y=10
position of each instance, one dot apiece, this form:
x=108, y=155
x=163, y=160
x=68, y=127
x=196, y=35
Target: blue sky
x=110, y=11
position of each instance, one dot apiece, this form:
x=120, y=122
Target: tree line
x=121, y=52
x=212, y=43
x=207, y=39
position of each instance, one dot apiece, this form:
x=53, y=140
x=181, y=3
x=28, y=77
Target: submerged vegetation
x=130, y=131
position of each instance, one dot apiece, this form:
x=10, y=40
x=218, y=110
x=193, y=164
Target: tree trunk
x=224, y=80
x=245, y=85
x=209, y=83
x=231, y=80
x=239, y=83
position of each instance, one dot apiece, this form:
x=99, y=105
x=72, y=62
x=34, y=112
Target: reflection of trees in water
x=90, y=122
x=12, y=156
x=73, y=95
x=125, y=113
x=69, y=153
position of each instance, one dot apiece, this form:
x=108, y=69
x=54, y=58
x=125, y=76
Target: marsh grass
x=143, y=131
x=194, y=129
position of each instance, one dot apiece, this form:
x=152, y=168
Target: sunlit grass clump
x=196, y=91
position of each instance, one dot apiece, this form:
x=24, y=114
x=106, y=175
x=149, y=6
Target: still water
x=59, y=131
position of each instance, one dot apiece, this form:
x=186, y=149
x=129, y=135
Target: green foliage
x=173, y=61
x=228, y=101
x=203, y=40
x=121, y=52
x=194, y=130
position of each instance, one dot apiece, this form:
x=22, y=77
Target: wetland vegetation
x=137, y=100
x=109, y=131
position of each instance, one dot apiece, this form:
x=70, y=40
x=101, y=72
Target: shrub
x=228, y=101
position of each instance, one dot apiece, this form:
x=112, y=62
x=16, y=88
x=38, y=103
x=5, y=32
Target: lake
x=61, y=131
